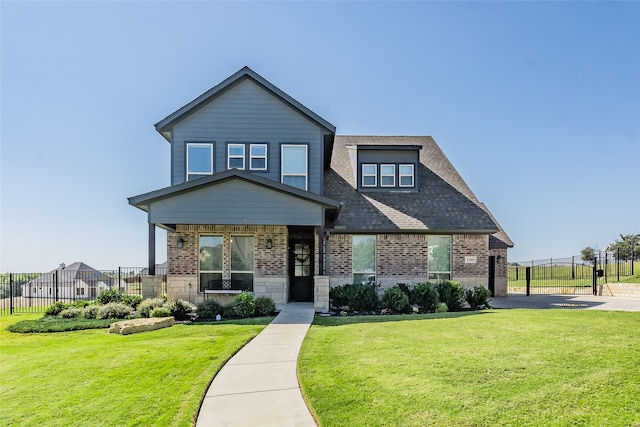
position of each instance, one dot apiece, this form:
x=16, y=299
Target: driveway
x=585, y=302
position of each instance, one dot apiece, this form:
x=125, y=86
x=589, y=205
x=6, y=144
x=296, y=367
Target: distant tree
x=628, y=245
x=588, y=254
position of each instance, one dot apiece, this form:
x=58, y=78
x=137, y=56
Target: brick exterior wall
x=403, y=258
x=500, y=282
x=470, y=245
x=270, y=265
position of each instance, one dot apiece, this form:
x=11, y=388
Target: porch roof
x=235, y=197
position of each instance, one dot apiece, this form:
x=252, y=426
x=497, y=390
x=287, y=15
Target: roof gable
x=164, y=126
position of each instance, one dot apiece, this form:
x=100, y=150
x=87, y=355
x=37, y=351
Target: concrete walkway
x=259, y=385
x=586, y=302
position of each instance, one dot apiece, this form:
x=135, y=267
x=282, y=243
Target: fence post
x=573, y=268
x=528, y=277
x=10, y=293
x=55, y=287
x=119, y=279
x=595, y=276
x=618, y=264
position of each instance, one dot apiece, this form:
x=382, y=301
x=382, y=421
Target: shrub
x=70, y=313
x=359, y=297
x=110, y=295
x=265, y=306
x=410, y=291
x=442, y=308
x=229, y=311
x=245, y=305
x=209, y=309
x=478, y=297
x=132, y=300
x=114, y=310
x=163, y=311
x=452, y=294
x=426, y=296
x=396, y=300
x=55, y=308
x=179, y=309
x=82, y=303
x=145, y=307
x=90, y=311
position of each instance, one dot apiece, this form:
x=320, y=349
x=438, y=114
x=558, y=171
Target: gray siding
x=248, y=113
x=387, y=156
x=235, y=202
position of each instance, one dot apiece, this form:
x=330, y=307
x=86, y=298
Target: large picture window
x=242, y=263
x=294, y=165
x=199, y=160
x=210, y=263
x=439, y=258
x=364, y=259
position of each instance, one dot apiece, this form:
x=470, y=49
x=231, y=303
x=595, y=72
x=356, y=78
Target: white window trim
x=209, y=271
x=375, y=175
x=251, y=157
x=375, y=257
x=306, y=164
x=229, y=156
x=199, y=144
x=401, y=175
x=392, y=175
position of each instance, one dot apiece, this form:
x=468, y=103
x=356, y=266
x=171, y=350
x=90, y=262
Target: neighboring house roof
x=443, y=203
x=164, y=125
x=161, y=269
x=70, y=273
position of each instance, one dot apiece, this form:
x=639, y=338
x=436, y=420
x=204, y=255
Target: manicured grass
x=91, y=377
x=56, y=324
x=496, y=367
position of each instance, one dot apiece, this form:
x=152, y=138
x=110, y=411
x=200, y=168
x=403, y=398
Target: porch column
x=320, y=231
x=152, y=249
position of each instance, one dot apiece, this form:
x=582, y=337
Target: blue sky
x=537, y=104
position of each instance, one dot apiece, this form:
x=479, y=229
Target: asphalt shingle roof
x=444, y=202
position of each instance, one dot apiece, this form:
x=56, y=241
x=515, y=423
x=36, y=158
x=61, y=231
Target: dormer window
x=235, y=156
x=387, y=175
x=199, y=160
x=406, y=175
x=369, y=175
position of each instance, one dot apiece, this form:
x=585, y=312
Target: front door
x=301, y=270
x=492, y=275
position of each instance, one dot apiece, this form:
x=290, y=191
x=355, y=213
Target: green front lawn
x=496, y=367
x=94, y=378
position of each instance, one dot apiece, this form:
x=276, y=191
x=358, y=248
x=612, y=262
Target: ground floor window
x=364, y=258
x=210, y=263
x=79, y=291
x=439, y=258
x=242, y=263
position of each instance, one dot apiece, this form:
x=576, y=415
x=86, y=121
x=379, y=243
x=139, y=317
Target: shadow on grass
x=350, y=320
x=249, y=321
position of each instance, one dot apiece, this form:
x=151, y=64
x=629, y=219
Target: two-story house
x=266, y=198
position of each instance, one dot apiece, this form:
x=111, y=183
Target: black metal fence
x=34, y=292
x=569, y=276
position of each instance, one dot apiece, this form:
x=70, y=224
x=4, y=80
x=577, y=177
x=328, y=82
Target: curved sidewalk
x=259, y=386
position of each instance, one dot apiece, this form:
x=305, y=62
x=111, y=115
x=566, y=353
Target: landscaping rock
x=133, y=326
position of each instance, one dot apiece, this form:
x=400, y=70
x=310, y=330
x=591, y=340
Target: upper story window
x=235, y=156
x=294, y=165
x=406, y=176
x=258, y=157
x=387, y=175
x=369, y=175
x=199, y=160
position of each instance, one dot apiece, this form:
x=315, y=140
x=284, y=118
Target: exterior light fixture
x=269, y=243
x=180, y=243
